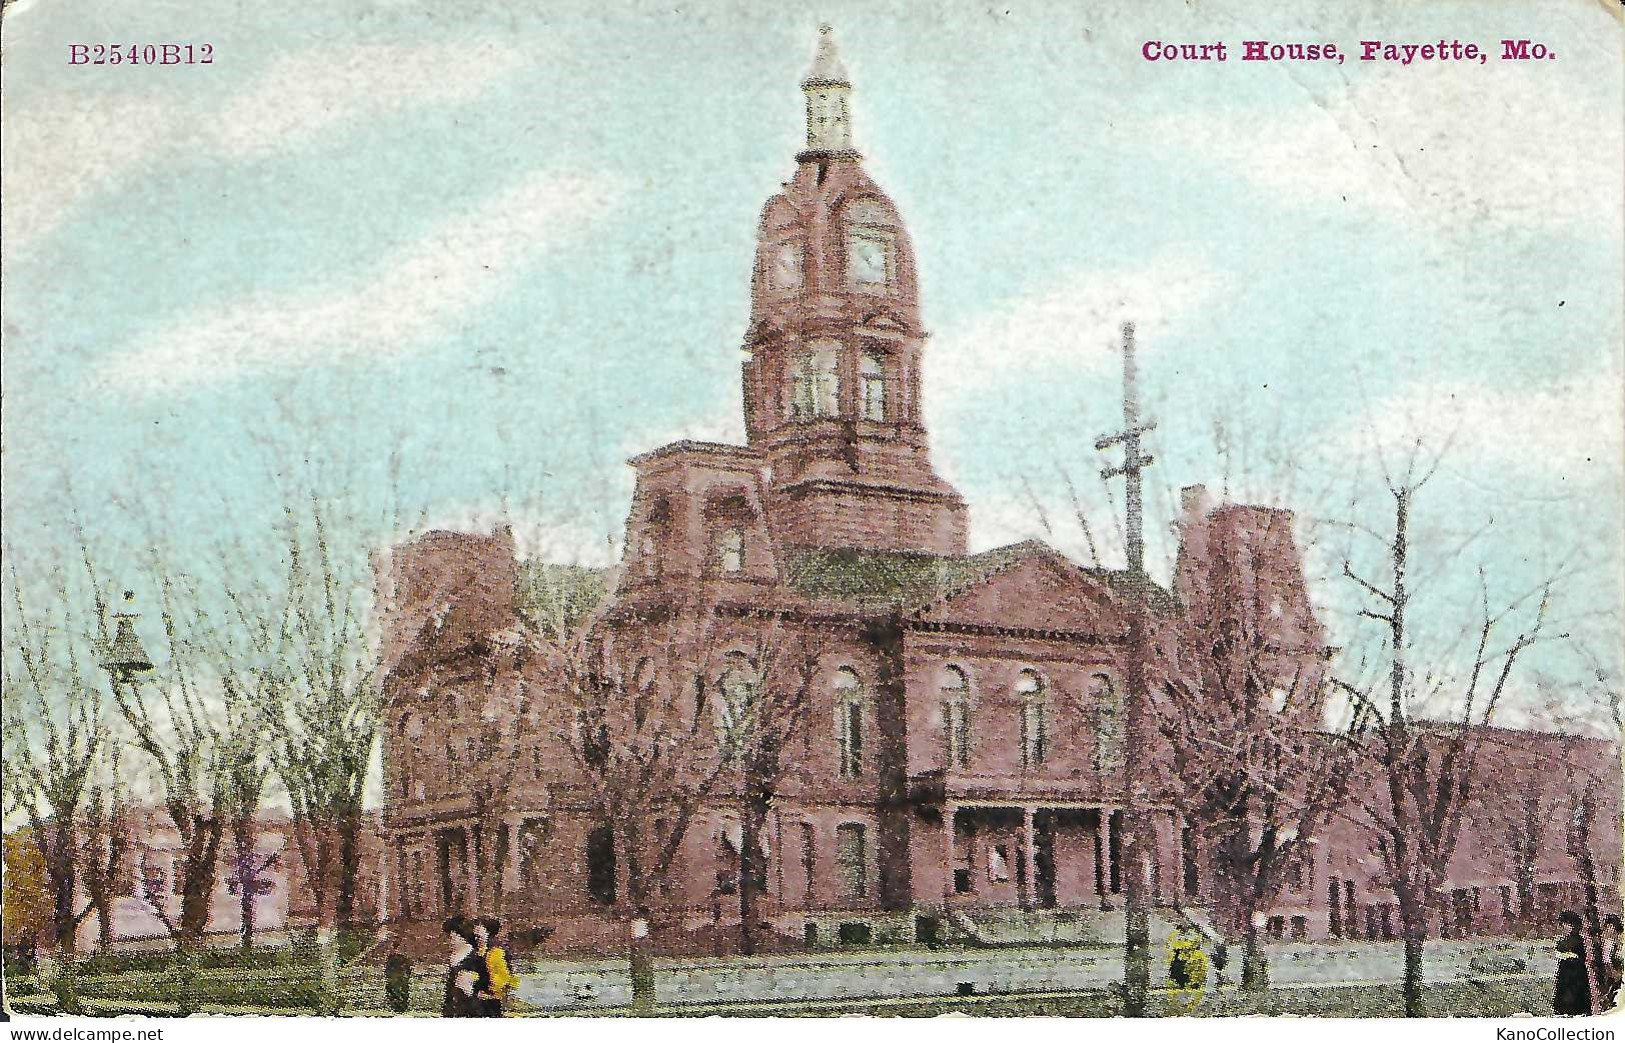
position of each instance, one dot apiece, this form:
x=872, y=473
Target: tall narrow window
x=851, y=852
x=736, y=708
x=731, y=550
x=1104, y=702
x=849, y=721
x=653, y=537
x=873, y=375
x=1030, y=690
x=956, y=716
x=809, y=856
x=815, y=389
x=601, y=865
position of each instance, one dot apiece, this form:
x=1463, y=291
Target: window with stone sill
x=735, y=703
x=848, y=690
x=731, y=550
x=956, y=716
x=1034, y=726
x=872, y=378
x=1106, y=707
x=852, y=855
x=815, y=383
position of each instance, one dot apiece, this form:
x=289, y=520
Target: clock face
x=868, y=261
x=786, y=267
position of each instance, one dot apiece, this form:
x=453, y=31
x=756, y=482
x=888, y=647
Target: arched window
x=849, y=721
x=869, y=260
x=411, y=757
x=1107, y=707
x=815, y=389
x=872, y=373
x=736, y=702
x=1034, y=727
x=956, y=715
x=731, y=550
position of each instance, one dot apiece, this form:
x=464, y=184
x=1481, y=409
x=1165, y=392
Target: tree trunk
x=750, y=876
x=349, y=867
x=642, y=967
x=58, y=859
x=243, y=840
x=1255, y=969
x=1413, y=972
x=197, y=887
x=104, y=925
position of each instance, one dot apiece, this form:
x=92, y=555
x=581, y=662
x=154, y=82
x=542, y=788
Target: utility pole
x=1136, y=822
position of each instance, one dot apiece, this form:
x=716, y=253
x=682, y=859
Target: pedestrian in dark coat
x=466, y=974
x=1573, y=993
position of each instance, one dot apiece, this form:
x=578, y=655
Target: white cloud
x=64, y=147
x=303, y=94
x=63, y=151
x=1575, y=429
x=1075, y=322
x=421, y=290
x=1438, y=145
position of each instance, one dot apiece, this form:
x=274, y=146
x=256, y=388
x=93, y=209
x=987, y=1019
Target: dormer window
x=872, y=376
x=653, y=536
x=728, y=517
x=731, y=550
x=815, y=385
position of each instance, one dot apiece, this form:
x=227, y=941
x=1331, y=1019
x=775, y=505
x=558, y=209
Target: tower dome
x=832, y=387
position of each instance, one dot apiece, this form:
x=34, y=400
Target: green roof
x=910, y=580
x=888, y=579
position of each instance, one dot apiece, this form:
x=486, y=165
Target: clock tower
x=832, y=385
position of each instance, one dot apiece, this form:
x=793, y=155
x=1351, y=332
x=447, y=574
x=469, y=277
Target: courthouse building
x=962, y=765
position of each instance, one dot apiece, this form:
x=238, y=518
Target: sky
x=464, y=260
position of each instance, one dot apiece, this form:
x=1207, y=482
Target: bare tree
x=180, y=730
x=104, y=848
x=767, y=697
x=1243, y=717
x=56, y=734
x=1580, y=837
x=1426, y=769
x=659, y=719
x=321, y=670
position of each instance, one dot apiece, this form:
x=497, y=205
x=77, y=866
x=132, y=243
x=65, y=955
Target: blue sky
x=508, y=245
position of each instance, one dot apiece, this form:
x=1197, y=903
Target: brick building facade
x=962, y=765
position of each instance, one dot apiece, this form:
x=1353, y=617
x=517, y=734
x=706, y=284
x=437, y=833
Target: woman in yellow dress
x=503, y=980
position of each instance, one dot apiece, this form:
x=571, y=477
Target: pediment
x=1041, y=592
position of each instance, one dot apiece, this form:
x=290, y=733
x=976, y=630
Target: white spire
x=828, y=91
x=827, y=67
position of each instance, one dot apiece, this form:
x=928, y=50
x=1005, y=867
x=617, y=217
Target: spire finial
x=827, y=67
x=827, y=88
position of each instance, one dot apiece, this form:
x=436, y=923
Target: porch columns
x=510, y=863
x=1029, y=854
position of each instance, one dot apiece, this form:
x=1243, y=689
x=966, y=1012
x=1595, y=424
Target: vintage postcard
x=1100, y=509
